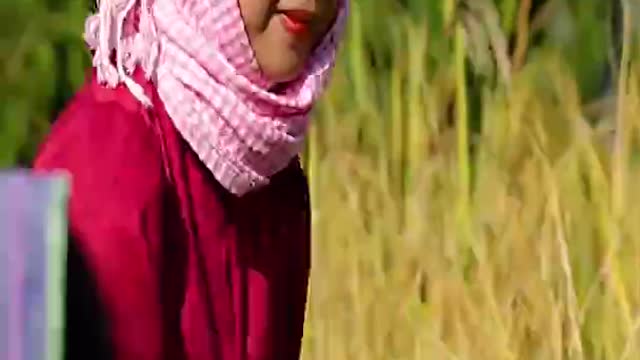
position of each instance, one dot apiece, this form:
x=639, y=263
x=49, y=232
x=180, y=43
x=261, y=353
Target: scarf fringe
x=105, y=35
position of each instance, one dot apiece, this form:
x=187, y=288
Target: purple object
x=32, y=257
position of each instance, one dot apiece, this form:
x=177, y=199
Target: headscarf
x=197, y=53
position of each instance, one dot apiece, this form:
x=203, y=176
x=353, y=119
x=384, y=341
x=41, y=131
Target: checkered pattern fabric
x=198, y=54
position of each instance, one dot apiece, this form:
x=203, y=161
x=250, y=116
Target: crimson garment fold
x=169, y=263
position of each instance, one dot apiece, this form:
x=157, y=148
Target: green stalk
x=449, y=11
x=396, y=126
x=462, y=117
x=357, y=57
x=462, y=135
x=312, y=164
x=619, y=175
x=416, y=117
x=621, y=141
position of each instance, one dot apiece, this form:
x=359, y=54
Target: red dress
x=163, y=262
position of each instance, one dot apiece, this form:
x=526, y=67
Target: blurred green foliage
x=43, y=58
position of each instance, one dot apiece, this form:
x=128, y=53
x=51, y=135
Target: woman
x=189, y=213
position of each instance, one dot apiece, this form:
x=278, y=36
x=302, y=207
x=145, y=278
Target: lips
x=297, y=22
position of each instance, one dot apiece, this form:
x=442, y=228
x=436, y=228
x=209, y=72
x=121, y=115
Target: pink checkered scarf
x=198, y=54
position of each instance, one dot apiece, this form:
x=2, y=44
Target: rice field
x=503, y=226
x=472, y=172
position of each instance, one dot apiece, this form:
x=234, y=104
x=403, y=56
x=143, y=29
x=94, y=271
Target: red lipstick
x=297, y=22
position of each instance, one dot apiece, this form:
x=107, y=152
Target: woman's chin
x=281, y=77
x=282, y=71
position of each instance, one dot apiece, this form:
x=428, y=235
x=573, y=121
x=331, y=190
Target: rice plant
x=469, y=207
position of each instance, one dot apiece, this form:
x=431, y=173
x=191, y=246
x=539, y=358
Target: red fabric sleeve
x=116, y=214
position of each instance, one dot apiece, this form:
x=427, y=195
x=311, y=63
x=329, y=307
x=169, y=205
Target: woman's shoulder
x=104, y=138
